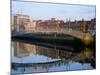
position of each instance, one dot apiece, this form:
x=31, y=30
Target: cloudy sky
x=50, y=10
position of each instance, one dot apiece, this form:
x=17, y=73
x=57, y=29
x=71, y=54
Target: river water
x=46, y=59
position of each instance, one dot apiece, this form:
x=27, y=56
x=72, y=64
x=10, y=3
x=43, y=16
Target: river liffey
x=33, y=58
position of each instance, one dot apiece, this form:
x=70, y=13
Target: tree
x=84, y=26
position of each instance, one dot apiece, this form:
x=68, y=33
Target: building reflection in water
x=23, y=49
x=68, y=60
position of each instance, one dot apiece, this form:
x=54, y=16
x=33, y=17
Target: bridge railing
x=68, y=31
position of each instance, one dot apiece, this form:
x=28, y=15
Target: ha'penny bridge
x=86, y=37
x=74, y=33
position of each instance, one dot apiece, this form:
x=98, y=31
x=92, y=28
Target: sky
x=47, y=11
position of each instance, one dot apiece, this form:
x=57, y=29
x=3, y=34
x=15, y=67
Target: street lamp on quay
x=69, y=24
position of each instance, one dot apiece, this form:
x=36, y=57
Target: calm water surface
x=44, y=59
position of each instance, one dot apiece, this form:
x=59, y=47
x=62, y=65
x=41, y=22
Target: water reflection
x=30, y=58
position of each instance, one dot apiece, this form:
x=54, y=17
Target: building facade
x=19, y=22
